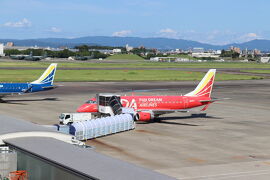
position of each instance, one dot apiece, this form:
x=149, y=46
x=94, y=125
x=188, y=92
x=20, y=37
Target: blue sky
x=210, y=21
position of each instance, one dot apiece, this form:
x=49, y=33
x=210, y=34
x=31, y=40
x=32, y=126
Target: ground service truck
x=69, y=118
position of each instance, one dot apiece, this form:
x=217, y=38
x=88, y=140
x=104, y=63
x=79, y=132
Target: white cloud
x=23, y=23
x=252, y=35
x=218, y=37
x=168, y=32
x=122, y=33
x=249, y=37
x=55, y=30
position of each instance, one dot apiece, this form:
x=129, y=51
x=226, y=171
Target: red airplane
x=150, y=107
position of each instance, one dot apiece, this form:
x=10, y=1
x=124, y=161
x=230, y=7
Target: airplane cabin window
x=90, y=102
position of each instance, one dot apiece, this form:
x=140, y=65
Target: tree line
x=56, y=54
x=230, y=53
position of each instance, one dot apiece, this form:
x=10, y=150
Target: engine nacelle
x=143, y=116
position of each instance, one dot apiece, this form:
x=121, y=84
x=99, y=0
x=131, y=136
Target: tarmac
x=232, y=142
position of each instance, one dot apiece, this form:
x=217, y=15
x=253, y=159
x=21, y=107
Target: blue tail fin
x=47, y=77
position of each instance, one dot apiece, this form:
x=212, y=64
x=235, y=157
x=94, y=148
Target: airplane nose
x=83, y=108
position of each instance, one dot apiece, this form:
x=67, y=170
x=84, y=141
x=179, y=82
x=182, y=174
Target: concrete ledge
x=59, y=136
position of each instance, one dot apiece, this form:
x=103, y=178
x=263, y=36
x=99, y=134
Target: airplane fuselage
x=141, y=103
x=161, y=102
x=13, y=87
x=17, y=88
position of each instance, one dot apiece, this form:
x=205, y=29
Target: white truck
x=69, y=118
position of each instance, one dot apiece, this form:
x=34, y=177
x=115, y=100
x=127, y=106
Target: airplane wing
x=9, y=94
x=175, y=110
x=165, y=111
x=27, y=90
x=49, y=87
x=2, y=95
x=215, y=99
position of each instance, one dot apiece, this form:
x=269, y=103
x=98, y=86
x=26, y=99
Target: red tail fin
x=205, y=86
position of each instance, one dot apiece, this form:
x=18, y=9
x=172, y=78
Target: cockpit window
x=91, y=102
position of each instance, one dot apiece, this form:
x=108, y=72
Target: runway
x=232, y=142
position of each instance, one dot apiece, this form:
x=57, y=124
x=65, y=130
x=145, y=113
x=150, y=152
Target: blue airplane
x=45, y=82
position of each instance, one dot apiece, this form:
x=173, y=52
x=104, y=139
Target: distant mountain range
x=159, y=43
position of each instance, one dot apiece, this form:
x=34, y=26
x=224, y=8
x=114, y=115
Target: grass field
x=124, y=57
x=123, y=75
x=143, y=64
x=257, y=71
x=114, y=75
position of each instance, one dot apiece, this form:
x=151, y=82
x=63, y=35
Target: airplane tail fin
x=204, y=88
x=48, y=76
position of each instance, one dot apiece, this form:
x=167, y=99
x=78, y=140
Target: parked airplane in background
x=35, y=58
x=29, y=57
x=149, y=107
x=45, y=82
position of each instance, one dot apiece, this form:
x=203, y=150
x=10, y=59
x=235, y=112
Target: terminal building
x=205, y=55
x=44, y=153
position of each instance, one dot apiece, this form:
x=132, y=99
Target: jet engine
x=143, y=116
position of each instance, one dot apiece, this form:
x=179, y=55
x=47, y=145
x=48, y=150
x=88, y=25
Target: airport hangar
x=47, y=154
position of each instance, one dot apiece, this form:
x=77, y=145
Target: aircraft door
x=185, y=101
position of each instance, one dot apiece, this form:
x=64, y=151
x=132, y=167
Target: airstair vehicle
x=109, y=104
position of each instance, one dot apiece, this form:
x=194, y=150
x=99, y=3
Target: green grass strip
x=131, y=64
x=115, y=75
